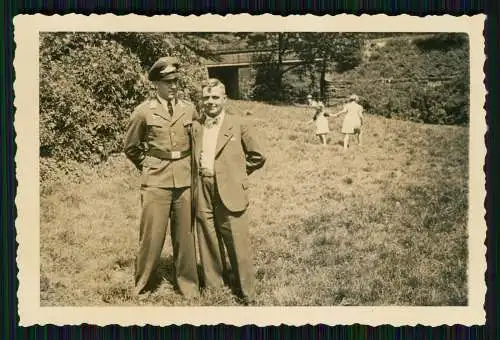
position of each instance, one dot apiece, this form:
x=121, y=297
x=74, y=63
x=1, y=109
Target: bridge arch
x=229, y=76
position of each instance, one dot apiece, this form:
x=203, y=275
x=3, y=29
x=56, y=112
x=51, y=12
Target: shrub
x=88, y=89
x=270, y=86
x=445, y=104
x=150, y=46
x=442, y=41
x=91, y=82
x=409, y=66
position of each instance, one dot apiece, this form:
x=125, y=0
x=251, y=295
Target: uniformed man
x=158, y=143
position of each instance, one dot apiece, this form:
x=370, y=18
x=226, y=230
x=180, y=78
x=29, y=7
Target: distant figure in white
x=353, y=120
x=320, y=118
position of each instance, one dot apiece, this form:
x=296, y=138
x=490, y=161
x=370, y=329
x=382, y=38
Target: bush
x=445, y=104
x=270, y=86
x=409, y=67
x=442, y=41
x=88, y=89
x=150, y=46
x=91, y=82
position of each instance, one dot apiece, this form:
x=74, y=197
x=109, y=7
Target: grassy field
x=382, y=224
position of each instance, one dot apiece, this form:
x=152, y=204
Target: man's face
x=167, y=89
x=214, y=100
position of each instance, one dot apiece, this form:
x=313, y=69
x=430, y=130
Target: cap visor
x=170, y=76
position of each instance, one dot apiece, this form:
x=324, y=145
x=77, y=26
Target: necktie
x=170, y=107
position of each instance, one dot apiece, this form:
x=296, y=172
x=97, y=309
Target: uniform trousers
x=158, y=205
x=217, y=226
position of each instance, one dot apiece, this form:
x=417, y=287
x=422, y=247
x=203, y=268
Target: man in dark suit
x=158, y=143
x=226, y=152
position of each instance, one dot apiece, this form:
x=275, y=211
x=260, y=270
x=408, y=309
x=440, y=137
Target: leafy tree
x=442, y=41
x=91, y=82
x=272, y=50
x=320, y=51
x=326, y=51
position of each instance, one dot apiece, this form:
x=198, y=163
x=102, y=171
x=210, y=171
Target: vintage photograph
x=255, y=168
x=358, y=142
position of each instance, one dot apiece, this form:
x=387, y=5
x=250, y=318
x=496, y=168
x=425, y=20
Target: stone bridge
x=234, y=68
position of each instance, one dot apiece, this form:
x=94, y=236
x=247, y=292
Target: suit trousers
x=158, y=205
x=217, y=226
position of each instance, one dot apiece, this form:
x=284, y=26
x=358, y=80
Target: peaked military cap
x=165, y=68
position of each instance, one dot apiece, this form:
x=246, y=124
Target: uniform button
x=173, y=133
x=174, y=144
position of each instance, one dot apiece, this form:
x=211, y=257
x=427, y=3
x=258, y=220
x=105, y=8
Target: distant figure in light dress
x=320, y=118
x=353, y=120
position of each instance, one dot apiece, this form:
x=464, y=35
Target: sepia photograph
x=256, y=168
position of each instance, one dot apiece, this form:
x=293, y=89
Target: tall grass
x=381, y=224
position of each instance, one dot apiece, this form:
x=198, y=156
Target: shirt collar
x=165, y=101
x=210, y=122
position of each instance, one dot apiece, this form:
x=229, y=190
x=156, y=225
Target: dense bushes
x=270, y=86
x=418, y=78
x=88, y=87
x=443, y=41
x=90, y=84
x=426, y=80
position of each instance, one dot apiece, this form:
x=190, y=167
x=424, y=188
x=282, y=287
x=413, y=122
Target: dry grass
x=383, y=224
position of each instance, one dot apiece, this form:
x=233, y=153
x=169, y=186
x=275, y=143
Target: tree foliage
x=326, y=52
x=442, y=41
x=322, y=52
x=428, y=81
x=88, y=88
x=275, y=48
x=338, y=51
x=91, y=82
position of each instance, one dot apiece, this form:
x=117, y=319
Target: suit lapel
x=179, y=111
x=160, y=110
x=225, y=134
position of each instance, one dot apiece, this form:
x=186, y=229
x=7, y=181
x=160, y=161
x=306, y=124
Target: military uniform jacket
x=152, y=127
x=237, y=155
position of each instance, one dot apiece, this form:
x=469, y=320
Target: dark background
x=8, y=281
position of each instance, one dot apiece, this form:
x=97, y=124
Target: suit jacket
x=152, y=127
x=237, y=155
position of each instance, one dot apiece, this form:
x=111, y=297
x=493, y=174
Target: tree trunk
x=313, y=84
x=322, y=82
x=279, y=81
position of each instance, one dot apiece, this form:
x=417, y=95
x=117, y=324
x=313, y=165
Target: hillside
x=421, y=78
x=383, y=224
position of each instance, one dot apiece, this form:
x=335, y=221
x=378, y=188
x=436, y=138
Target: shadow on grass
x=166, y=272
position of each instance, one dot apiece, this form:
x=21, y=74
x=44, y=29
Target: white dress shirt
x=211, y=129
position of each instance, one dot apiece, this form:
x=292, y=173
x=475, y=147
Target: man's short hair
x=213, y=83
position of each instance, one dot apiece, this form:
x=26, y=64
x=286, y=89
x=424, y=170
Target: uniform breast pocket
x=155, y=125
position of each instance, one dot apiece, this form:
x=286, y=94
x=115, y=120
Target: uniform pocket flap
x=155, y=120
x=152, y=162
